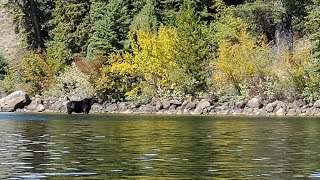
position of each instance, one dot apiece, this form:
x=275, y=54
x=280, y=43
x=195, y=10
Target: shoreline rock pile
x=20, y=101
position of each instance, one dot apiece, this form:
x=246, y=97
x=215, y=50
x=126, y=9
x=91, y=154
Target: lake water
x=58, y=146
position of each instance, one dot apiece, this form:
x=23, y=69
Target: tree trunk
x=36, y=24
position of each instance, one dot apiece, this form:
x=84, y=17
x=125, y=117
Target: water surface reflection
x=158, y=147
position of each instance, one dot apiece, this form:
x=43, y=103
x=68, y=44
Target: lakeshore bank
x=20, y=101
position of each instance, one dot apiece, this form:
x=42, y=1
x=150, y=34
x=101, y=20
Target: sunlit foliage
x=242, y=63
x=150, y=62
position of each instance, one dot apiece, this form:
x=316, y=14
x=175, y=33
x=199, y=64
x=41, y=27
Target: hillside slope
x=9, y=40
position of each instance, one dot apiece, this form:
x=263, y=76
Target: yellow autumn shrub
x=292, y=69
x=241, y=64
x=147, y=66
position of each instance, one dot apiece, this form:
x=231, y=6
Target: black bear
x=83, y=106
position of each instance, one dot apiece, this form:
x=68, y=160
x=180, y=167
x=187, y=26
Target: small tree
x=144, y=70
x=241, y=64
x=110, y=29
x=312, y=91
x=146, y=19
x=3, y=67
x=193, y=48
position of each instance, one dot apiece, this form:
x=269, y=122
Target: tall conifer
x=110, y=30
x=192, y=47
x=72, y=26
x=146, y=19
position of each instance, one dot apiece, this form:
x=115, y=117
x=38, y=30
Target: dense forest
x=173, y=49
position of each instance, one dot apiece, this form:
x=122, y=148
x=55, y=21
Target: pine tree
x=72, y=26
x=31, y=20
x=193, y=48
x=135, y=6
x=168, y=10
x=146, y=19
x=3, y=66
x=110, y=30
x=312, y=25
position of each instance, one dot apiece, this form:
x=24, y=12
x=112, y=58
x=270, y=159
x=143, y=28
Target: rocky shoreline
x=19, y=101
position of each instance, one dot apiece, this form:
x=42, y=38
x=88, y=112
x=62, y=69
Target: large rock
x=197, y=111
x=190, y=105
x=58, y=106
x=292, y=112
x=280, y=105
x=240, y=105
x=317, y=104
x=123, y=106
x=255, y=103
x=281, y=112
x=14, y=101
x=270, y=107
x=158, y=105
x=166, y=105
x=176, y=102
x=96, y=108
x=36, y=105
x=146, y=109
x=111, y=108
x=203, y=104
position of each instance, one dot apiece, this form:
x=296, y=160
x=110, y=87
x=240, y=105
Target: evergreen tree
x=168, y=10
x=206, y=10
x=32, y=20
x=193, y=48
x=72, y=26
x=146, y=19
x=3, y=66
x=313, y=26
x=277, y=19
x=110, y=30
x=135, y=6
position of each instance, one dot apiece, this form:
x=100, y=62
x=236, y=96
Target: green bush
x=16, y=74
x=3, y=67
x=71, y=82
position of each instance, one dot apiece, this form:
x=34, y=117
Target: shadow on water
x=59, y=146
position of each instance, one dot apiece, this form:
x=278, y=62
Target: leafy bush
x=15, y=73
x=292, y=71
x=40, y=68
x=3, y=67
x=143, y=71
x=71, y=82
x=241, y=64
x=166, y=94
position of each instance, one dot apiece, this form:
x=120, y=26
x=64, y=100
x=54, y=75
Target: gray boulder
x=96, y=108
x=14, y=101
x=58, y=106
x=280, y=105
x=176, y=102
x=40, y=108
x=255, y=103
x=292, y=112
x=317, y=104
x=197, y=111
x=123, y=106
x=281, y=112
x=166, y=104
x=159, y=105
x=190, y=105
x=270, y=107
x=111, y=108
x=146, y=109
x=240, y=105
x=36, y=105
x=203, y=104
